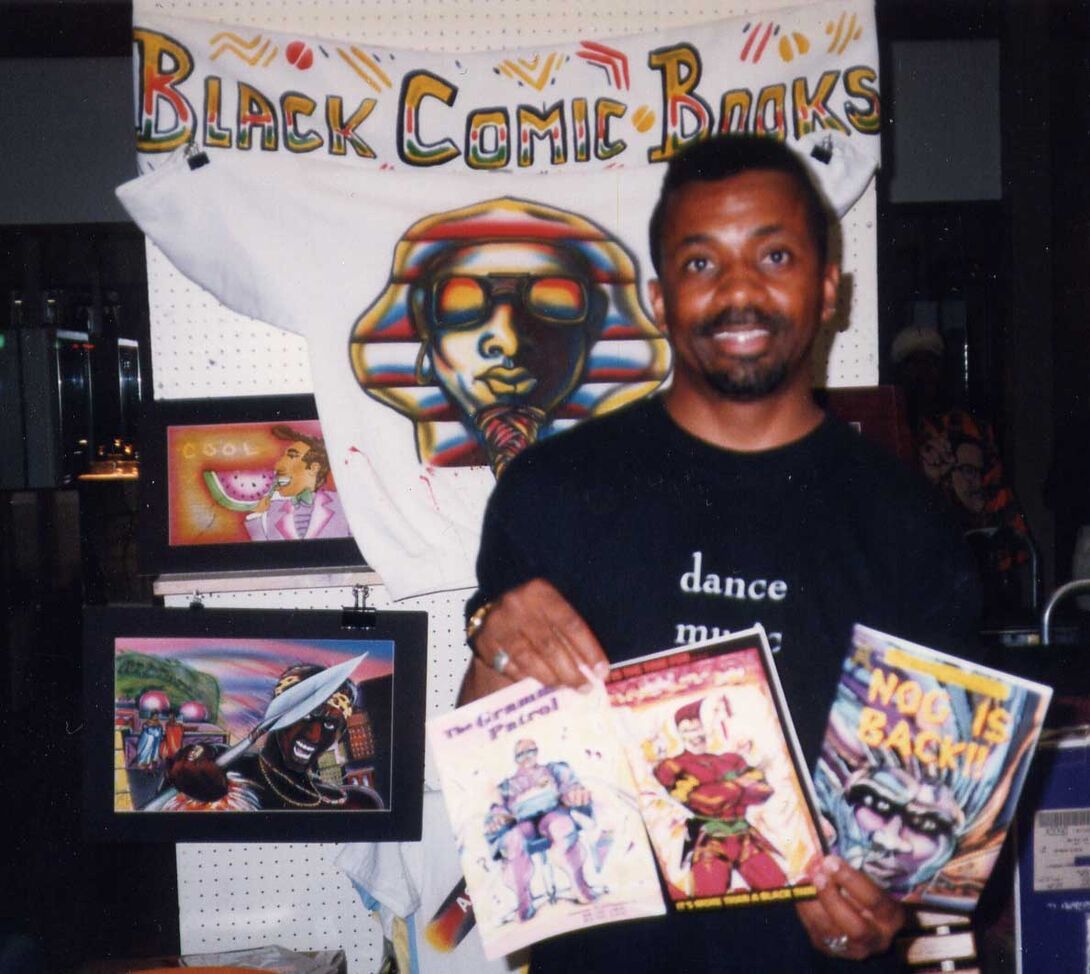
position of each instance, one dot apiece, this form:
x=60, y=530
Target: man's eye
x=778, y=257
x=696, y=265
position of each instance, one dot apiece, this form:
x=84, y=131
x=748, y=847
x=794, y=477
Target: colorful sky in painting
x=247, y=669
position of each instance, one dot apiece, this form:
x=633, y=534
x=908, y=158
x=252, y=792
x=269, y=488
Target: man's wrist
x=475, y=622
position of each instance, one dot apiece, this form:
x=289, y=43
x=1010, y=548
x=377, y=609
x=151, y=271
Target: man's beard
x=751, y=379
x=507, y=431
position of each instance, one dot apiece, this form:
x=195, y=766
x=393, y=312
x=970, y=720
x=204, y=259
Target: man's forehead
x=766, y=199
x=508, y=257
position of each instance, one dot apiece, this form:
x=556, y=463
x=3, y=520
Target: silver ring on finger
x=501, y=660
x=837, y=944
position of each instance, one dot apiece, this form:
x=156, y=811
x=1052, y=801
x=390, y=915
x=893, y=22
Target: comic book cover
x=921, y=767
x=724, y=793
x=545, y=814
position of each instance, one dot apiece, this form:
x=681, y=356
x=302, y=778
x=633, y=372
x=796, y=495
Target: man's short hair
x=316, y=451
x=723, y=156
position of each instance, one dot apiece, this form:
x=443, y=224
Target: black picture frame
x=159, y=554
x=180, y=649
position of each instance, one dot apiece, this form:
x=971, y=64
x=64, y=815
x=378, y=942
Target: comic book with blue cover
x=922, y=764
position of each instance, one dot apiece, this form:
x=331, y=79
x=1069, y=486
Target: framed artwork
x=237, y=725
x=239, y=485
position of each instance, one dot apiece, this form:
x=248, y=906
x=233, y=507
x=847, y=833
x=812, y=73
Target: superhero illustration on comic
x=725, y=798
x=545, y=814
x=215, y=724
x=237, y=482
x=921, y=767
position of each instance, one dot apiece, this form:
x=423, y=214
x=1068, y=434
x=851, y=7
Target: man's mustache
x=748, y=316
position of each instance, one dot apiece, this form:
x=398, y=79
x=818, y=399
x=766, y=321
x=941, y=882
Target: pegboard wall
x=233, y=896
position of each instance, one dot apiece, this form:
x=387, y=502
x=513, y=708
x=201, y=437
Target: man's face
x=693, y=736
x=742, y=292
x=508, y=323
x=302, y=743
x=909, y=825
x=293, y=475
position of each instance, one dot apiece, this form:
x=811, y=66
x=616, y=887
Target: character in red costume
x=717, y=789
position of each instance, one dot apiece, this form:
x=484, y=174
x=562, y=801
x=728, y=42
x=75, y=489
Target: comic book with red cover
x=921, y=767
x=723, y=790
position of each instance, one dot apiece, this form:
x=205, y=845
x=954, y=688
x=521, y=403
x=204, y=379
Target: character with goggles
x=507, y=300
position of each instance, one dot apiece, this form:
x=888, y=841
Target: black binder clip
x=823, y=151
x=196, y=601
x=194, y=157
x=359, y=615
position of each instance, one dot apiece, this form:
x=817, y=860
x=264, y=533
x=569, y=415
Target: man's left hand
x=851, y=917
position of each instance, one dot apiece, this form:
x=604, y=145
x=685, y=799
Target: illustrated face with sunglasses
x=507, y=323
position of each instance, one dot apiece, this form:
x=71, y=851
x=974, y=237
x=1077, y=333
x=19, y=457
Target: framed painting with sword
x=236, y=725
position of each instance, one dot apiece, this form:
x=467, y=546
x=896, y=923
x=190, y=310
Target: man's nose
x=313, y=731
x=500, y=339
x=738, y=283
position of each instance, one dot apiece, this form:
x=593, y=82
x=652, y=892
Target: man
x=298, y=508
x=283, y=775
x=731, y=498
x=717, y=789
x=507, y=299
x=534, y=806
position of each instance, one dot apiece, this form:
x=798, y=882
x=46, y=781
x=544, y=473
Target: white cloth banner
x=452, y=315
x=807, y=74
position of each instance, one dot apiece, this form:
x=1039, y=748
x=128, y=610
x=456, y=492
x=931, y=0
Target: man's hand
x=543, y=636
x=849, y=905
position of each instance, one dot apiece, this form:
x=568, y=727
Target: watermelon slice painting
x=218, y=474
x=239, y=490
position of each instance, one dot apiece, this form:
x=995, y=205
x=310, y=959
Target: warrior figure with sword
x=307, y=715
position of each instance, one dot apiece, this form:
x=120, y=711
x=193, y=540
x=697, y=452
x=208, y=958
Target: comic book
x=723, y=790
x=545, y=814
x=922, y=764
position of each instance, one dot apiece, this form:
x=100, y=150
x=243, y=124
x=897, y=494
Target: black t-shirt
x=658, y=538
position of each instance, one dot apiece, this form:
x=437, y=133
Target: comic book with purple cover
x=543, y=807
x=723, y=790
x=921, y=767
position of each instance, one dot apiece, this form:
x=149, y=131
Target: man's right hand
x=543, y=636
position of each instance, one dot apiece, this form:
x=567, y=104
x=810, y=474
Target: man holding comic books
x=729, y=500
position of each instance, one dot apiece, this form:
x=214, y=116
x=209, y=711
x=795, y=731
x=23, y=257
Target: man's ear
x=658, y=307
x=830, y=292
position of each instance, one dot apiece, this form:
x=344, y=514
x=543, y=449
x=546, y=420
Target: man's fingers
x=867, y=897
x=843, y=917
x=543, y=636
